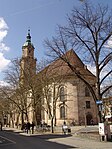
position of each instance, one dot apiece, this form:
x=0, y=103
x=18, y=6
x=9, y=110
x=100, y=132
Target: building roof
x=61, y=68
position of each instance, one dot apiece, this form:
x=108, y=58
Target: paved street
x=13, y=140
x=19, y=140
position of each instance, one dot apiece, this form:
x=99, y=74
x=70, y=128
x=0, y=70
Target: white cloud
x=3, y=24
x=3, y=33
x=92, y=69
x=108, y=81
x=3, y=62
x=3, y=47
x=3, y=29
x=3, y=83
x=109, y=43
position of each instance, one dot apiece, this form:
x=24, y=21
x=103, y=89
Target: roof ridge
x=74, y=58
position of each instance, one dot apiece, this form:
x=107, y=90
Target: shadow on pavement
x=40, y=141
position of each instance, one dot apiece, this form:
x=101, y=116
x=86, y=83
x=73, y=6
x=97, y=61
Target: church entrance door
x=88, y=118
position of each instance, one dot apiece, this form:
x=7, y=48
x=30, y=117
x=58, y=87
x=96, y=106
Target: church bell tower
x=27, y=62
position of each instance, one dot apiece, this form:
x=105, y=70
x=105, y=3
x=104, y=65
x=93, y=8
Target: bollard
x=103, y=138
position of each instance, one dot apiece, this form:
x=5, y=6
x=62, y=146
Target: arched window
x=62, y=94
x=87, y=92
x=62, y=112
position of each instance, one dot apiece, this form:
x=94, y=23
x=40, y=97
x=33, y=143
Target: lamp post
x=85, y=122
x=99, y=104
x=64, y=111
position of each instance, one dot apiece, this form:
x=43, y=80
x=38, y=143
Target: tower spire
x=28, y=37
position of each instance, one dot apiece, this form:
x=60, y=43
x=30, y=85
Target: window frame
x=62, y=94
x=88, y=104
x=62, y=112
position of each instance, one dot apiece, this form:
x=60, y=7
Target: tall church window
x=62, y=112
x=87, y=92
x=88, y=106
x=62, y=94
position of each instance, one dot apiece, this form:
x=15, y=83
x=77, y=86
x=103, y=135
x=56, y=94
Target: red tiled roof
x=60, y=67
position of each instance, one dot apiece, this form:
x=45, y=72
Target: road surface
x=13, y=140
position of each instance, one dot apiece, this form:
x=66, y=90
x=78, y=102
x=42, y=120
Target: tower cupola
x=28, y=40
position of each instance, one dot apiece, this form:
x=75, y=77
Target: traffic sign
x=98, y=102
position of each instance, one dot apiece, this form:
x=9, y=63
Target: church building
x=68, y=98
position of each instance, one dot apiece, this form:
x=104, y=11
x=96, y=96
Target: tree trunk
x=52, y=128
x=22, y=118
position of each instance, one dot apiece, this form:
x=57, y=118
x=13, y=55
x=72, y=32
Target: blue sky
x=42, y=16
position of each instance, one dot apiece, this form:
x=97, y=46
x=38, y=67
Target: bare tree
x=51, y=81
x=23, y=94
x=4, y=108
x=89, y=32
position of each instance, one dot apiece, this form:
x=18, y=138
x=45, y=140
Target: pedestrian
x=25, y=127
x=28, y=127
x=69, y=130
x=92, y=122
x=32, y=125
x=64, y=128
x=1, y=126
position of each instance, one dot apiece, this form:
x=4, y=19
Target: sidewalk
x=84, y=138
x=58, y=130
x=82, y=143
x=21, y=132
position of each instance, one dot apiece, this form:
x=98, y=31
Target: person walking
x=64, y=128
x=28, y=127
x=1, y=126
x=32, y=125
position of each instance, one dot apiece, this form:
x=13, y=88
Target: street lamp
x=64, y=111
x=85, y=121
